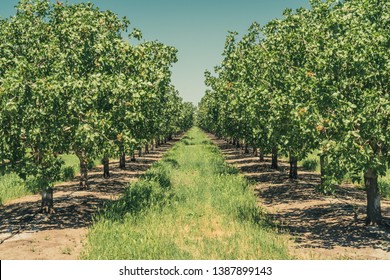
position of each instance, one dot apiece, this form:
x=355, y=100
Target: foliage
x=12, y=186
x=69, y=83
x=316, y=79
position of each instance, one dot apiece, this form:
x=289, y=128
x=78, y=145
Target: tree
x=317, y=78
x=69, y=83
x=31, y=112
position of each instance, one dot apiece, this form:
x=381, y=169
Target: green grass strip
x=190, y=205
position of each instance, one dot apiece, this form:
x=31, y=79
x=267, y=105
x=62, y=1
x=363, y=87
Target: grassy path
x=190, y=205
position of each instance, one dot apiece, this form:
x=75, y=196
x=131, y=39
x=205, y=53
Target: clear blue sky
x=197, y=28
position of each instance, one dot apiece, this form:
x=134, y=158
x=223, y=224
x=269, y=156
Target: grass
x=12, y=186
x=190, y=205
x=384, y=185
x=71, y=166
x=311, y=162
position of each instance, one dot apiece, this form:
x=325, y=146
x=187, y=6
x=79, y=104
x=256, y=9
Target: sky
x=197, y=28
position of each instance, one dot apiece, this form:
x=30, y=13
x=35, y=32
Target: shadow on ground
x=74, y=208
x=315, y=220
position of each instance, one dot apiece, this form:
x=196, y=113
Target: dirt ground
x=319, y=226
x=28, y=234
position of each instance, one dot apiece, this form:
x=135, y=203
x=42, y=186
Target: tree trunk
x=106, y=166
x=237, y=144
x=122, y=161
x=323, y=163
x=261, y=155
x=146, y=148
x=152, y=145
x=47, y=200
x=246, y=149
x=234, y=142
x=293, y=167
x=255, y=152
x=374, y=216
x=139, y=152
x=2, y=167
x=274, y=164
x=83, y=173
x=132, y=156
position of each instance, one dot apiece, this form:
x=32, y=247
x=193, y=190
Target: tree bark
x=255, y=152
x=157, y=142
x=274, y=164
x=132, y=156
x=152, y=145
x=146, y=148
x=323, y=163
x=106, y=166
x=261, y=155
x=83, y=173
x=140, y=152
x=47, y=200
x=246, y=149
x=122, y=160
x=374, y=216
x=293, y=167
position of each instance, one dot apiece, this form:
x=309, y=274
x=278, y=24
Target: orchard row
x=318, y=79
x=70, y=83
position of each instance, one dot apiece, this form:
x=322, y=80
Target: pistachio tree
x=315, y=79
x=69, y=83
x=31, y=113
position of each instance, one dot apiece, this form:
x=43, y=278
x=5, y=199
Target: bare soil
x=319, y=226
x=28, y=234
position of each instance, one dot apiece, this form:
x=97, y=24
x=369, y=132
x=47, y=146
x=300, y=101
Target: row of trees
x=316, y=79
x=69, y=83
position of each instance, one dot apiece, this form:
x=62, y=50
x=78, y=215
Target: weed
x=310, y=164
x=66, y=251
x=188, y=142
x=384, y=188
x=12, y=186
x=67, y=173
x=190, y=205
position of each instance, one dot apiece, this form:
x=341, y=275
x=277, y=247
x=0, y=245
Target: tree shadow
x=73, y=212
x=314, y=219
x=75, y=207
x=327, y=226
